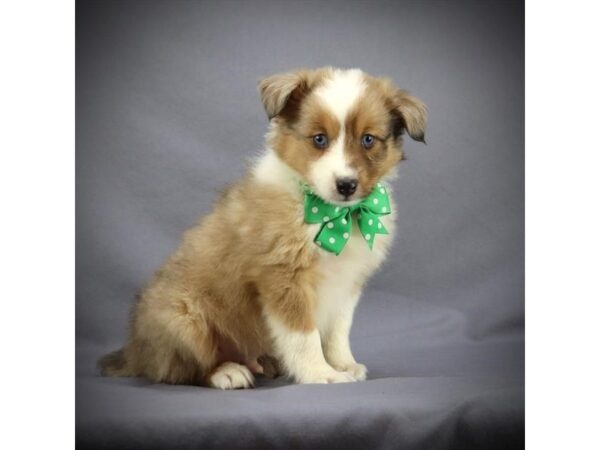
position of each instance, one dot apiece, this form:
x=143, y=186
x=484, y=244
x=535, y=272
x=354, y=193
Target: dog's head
x=341, y=130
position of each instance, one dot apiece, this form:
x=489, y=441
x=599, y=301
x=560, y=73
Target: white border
x=37, y=224
x=562, y=224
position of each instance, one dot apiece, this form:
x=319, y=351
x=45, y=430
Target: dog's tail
x=114, y=364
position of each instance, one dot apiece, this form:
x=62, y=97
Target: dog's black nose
x=346, y=186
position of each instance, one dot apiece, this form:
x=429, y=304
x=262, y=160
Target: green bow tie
x=336, y=221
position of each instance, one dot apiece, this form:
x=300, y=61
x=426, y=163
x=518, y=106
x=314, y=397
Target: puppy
x=279, y=265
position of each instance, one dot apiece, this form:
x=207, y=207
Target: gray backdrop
x=168, y=113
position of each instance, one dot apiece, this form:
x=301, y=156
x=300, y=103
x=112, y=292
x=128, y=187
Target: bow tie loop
x=370, y=225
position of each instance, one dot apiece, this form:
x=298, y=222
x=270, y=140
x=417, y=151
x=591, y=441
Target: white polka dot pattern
x=335, y=224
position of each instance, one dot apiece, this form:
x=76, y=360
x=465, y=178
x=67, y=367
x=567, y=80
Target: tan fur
x=283, y=93
x=249, y=254
x=411, y=111
x=251, y=257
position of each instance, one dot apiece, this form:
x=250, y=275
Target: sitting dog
x=279, y=265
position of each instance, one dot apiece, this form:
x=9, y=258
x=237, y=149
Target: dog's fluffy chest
x=341, y=277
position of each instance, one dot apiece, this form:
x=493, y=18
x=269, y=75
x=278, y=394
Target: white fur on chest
x=343, y=276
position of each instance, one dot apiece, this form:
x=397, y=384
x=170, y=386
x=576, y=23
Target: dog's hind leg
x=171, y=340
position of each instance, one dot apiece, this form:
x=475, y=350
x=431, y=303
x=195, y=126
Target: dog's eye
x=320, y=141
x=367, y=141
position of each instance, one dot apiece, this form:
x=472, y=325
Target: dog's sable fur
x=248, y=280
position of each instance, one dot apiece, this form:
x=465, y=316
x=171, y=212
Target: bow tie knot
x=336, y=221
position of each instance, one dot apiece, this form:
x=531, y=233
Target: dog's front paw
x=326, y=377
x=356, y=370
x=231, y=375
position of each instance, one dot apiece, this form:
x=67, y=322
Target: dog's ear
x=282, y=93
x=410, y=113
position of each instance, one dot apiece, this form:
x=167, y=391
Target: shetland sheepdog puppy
x=268, y=282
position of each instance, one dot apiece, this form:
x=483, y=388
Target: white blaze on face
x=339, y=93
